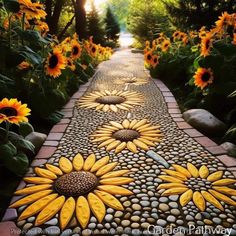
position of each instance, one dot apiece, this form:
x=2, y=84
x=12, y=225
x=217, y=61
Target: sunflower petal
x=45, y=173
x=199, y=201
x=107, y=142
x=50, y=210
x=192, y=170
x=109, y=200
x=112, y=189
x=222, y=197
x=38, y=180
x=100, y=163
x=139, y=123
x=203, y=172
x=115, y=173
x=97, y=206
x=33, y=189
x=126, y=124
x=89, y=162
x=140, y=144
x=78, y=162
x=215, y=176
x=132, y=123
x=106, y=108
x=82, y=211
x=132, y=147
x=113, y=145
x=37, y=206
x=170, y=179
x=182, y=170
x=175, y=174
x=170, y=185
x=147, y=142
x=116, y=181
x=65, y=165
x=67, y=212
x=120, y=147
x=113, y=108
x=223, y=182
x=54, y=169
x=105, y=169
x=225, y=190
x=30, y=198
x=174, y=191
x=212, y=200
x=186, y=197
x=116, y=124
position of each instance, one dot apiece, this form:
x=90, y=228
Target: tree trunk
x=80, y=18
x=66, y=27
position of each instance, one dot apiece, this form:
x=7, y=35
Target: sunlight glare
x=98, y=4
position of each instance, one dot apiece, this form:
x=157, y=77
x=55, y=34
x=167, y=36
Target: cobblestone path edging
x=148, y=206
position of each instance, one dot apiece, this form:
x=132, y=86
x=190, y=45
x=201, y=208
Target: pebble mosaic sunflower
x=198, y=185
x=13, y=111
x=111, y=100
x=55, y=63
x=203, y=77
x=133, y=81
x=73, y=189
x=206, y=44
x=130, y=134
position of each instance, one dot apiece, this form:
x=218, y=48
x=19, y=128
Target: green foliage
x=146, y=19
x=111, y=25
x=194, y=14
x=25, y=128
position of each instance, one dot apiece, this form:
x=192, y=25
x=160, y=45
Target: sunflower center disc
x=126, y=135
x=8, y=111
x=75, y=50
x=110, y=100
x=76, y=183
x=206, y=76
x=53, y=61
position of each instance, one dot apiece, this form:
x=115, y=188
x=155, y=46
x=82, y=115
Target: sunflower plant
x=13, y=147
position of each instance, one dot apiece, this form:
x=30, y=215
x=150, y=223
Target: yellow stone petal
x=140, y=123
x=148, y=128
x=109, y=200
x=113, y=108
x=30, y=198
x=122, y=107
x=212, y=200
x=100, y=163
x=182, y=170
x=78, y=162
x=186, y=197
x=170, y=179
x=223, y=182
x=106, y=108
x=152, y=139
x=37, y=206
x=105, y=169
x=38, y=180
x=116, y=124
x=103, y=138
x=67, y=212
x=203, y=172
x=225, y=190
x=89, y=162
x=116, y=181
x=174, y=191
x=33, y=189
x=132, y=123
x=215, y=176
x=113, y=145
x=170, y=185
x=82, y=211
x=192, y=170
x=126, y=124
x=97, y=206
x=100, y=107
x=112, y=189
x=199, y=201
x=120, y=147
x=65, y=165
x=115, y=173
x=50, y=210
x=222, y=197
x=107, y=142
x=140, y=144
x=54, y=169
x=175, y=174
x=45, y=173
x=132, y=147
x=147, y=142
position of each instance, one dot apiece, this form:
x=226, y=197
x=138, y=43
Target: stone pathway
x=124, y=162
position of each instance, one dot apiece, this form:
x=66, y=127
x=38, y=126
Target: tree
x=112, y=26
x=146, y=19
x=195, y=13
x=94, y=25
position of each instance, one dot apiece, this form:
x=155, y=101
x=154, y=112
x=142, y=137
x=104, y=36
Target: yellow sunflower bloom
x=13, y=111
x=203, y=77
x=186, y=183
x=70, y=64
x=165, y=45
x=130, y=134
x=206, y=44
x=55, y=63
x=74, y=190
x=93, y=50
x=75, y=49
x=223, y=21
x=148, y=57
x=154, y=61
x=111, y=100
x=24, y=65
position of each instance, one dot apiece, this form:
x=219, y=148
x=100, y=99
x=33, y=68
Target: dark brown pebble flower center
x=126, y=135
x=76, y=183
x=110, y=100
